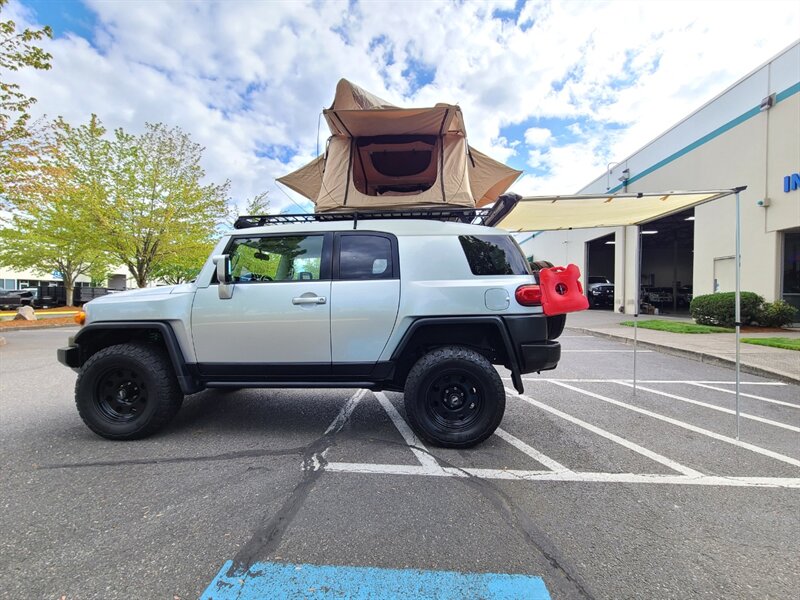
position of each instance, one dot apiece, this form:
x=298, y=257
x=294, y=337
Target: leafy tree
x=50, y=227
x=17, y=51
x=186, y=265
x=157, y=211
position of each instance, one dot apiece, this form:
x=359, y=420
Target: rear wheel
x=454, y=397
x=127, y=391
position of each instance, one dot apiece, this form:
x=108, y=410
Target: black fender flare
x=187, y=381
x=492, y=320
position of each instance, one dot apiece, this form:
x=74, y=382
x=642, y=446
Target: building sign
x=791, y=182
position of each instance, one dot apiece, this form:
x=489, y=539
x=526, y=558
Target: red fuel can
x=561, y=290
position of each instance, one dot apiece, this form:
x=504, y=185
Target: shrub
x=720, y=308
x=776, y=314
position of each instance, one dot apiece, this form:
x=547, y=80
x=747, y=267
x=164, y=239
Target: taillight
x=529, y=295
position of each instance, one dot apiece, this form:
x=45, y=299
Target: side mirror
x=223, y=264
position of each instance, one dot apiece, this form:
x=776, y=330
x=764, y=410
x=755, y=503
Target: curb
x=694, y=355
x=13, y=329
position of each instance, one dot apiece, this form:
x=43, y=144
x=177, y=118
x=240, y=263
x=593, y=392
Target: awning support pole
x=638, y=276
x=738, y=303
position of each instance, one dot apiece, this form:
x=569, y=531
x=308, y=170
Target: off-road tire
x=440, y=390
x=127, y=391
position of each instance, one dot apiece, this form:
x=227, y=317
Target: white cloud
x=242, y=77
x=537, y=136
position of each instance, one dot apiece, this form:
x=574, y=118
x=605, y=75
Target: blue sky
x=557, y=89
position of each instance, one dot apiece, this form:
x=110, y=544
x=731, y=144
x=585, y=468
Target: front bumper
x=69, y=356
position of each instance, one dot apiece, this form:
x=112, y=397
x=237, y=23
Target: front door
x=279, y=312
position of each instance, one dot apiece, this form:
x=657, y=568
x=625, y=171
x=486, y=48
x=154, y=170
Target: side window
x=494, y=255
x=365, y=257
x=274, y=258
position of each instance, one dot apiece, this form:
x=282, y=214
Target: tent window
x=395, y=165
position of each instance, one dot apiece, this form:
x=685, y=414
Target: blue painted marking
x=290, y=581
x=780, y=97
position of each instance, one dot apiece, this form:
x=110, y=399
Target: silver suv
x=422, y=306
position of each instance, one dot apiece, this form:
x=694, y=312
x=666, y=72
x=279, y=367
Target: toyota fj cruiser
x=419, y=305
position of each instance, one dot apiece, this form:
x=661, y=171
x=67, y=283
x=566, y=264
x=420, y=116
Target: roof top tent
x=380, y=156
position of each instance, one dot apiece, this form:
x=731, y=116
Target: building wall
x=728, y=142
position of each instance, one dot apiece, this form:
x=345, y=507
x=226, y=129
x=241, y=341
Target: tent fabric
x=345, y=177
x=548, y=213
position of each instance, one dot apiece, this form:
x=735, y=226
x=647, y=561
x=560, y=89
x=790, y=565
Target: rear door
x=365, y=296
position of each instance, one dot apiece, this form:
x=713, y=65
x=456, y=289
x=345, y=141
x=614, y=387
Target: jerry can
x=561, y=290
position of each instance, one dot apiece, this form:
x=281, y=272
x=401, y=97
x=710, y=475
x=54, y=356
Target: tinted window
x=365, y=257
x=264, y=259
x=494, y=255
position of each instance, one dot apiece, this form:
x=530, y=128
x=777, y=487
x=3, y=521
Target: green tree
x=158, y=212
x=17, y=51
x=50, y=227
x=184, y=266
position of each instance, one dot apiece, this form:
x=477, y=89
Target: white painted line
x=336, y=425
x=690, y=381
x=718, y=389
x=608, y=351
x=417, y=447
x=713, y=407
x=675, y=466
x=722, y=438
x=344, y=414
x=568, y=476
x=530, y=451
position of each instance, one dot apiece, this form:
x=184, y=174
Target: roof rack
x=476, y=216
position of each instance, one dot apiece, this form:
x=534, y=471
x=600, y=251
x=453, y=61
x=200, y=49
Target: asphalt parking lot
x=600, y=492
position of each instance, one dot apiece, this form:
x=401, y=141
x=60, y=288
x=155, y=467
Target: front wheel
x=454, y=397
x=127, y=391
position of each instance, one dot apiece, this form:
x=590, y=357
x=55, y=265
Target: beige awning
x=547, y=213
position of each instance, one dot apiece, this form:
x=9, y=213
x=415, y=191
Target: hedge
x=720, y=308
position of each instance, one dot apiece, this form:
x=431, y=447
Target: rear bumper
x=69, y=356
x=529, y=338
x=539, y=357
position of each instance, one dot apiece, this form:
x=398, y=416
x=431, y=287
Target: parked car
x=600, y=291
x=685, y=295
x=328, y=302
x=659, y=296
x=13, y=299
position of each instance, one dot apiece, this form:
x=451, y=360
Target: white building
x=748, y=135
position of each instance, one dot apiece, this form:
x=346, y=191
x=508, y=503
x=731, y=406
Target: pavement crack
x=514, y=518
x=176, y=459
x=267, y=537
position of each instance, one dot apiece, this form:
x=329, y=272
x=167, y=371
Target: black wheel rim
x=121, y=395
x=454, y=399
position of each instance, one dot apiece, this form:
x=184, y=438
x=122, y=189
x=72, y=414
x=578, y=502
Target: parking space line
x=608, y=351
x=417, y=447
x=690, y=381
x=712, y=407
x=288, y=580
x=754, y=397
x=336, y=425
x=722, y=438
x=566, y=476
x=530, y=451
x=668, y=462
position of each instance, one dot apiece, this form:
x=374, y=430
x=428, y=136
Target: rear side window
x=365, y=257
x=494, y=255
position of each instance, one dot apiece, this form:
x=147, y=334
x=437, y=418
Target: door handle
x=309, y=300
